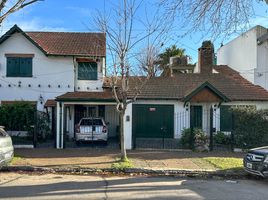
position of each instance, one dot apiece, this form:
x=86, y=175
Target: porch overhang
x=104, y=97
x=210, y=94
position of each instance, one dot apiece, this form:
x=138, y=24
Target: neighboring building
x=247, y=54
x=167, y=105
x=39, y=66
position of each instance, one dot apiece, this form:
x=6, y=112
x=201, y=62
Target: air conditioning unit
x=178, y=61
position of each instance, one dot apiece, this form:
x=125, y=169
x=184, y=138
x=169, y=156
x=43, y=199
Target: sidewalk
x=104, y=158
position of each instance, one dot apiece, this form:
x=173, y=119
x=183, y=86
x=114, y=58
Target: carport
x=73, y=106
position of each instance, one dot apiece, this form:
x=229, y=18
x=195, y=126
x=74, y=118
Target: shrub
x=17, y=117
x=222, y=138
x=193, y=139
x=20, y=116
x=201, y=140
x=250, y=127
x=187, y=138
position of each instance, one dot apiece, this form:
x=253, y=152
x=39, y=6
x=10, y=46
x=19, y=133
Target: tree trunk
x=122, y=137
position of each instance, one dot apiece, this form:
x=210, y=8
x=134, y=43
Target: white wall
x=56, y=71
x=240, y=54
x=91, y=85
x=52, y=71
x=247, y=57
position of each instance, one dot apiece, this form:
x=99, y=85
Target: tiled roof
x=228, y=81
x=50, y=103
x=67, y=43
x=87, y=96
x=64, y=43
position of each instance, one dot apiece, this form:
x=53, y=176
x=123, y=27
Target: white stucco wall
x=53, y=71
x=247, y=57
x=56, y=71
x=91, y=85
x=240, y=54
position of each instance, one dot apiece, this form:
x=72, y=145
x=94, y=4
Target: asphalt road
x=53, y=186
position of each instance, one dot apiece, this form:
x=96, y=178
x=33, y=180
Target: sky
x=77, y=16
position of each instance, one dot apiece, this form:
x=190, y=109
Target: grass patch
x=225, y=163
x=16, y=158
x=121, y=165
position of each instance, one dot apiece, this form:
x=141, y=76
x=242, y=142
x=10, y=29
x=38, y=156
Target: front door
x=196, y=117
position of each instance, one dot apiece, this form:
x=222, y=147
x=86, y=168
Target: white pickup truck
x=91, y=129
x=6, y=147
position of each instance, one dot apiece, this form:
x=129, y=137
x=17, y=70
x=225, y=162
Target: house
x=247, y=54
x=64, y=74
x=166, y=105
x=39, y=66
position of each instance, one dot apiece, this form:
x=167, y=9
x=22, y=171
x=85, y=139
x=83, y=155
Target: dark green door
x=196, y=116
x=152, y=121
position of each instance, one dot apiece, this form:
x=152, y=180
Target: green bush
x=192, y=138
x=17, y=117
x=222, y=138
x=187, y=138
x=250, y=127
x=200, y=138
x=20, y=116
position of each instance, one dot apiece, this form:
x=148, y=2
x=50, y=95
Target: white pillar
x=128, y=127
x=58, y=126
x=62, y=126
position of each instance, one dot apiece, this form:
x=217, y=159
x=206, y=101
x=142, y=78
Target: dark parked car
x=256, y=161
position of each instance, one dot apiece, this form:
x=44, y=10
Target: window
x=87, y=71
x=19, y=67
x=226, y=118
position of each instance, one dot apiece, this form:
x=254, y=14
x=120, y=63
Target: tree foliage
x=213, y=17
x=8, y=7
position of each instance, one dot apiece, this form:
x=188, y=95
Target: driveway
x=51, y=186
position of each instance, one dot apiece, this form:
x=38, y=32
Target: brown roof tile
x=228, y=81
x=87, y=96
x=68, y=43
x=50, y=103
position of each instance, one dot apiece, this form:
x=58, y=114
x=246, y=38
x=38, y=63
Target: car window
x=2, y=133
x=90, y=122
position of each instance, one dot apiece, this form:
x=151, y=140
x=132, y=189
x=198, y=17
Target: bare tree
x=147, y=61
x=8, y=7
x=122, y=44
x=213, y=17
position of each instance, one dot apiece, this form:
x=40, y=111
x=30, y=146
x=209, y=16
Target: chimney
x=206, y=57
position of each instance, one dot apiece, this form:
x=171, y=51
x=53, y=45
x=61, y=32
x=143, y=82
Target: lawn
x=121, y=165
x=225, y=163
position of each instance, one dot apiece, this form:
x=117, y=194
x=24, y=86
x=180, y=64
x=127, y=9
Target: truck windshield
x=2, y=133
x=90, y=122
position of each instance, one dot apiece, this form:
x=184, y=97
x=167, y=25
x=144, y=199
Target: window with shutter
x=19, y=67
x=87, y=71
x=225, y=118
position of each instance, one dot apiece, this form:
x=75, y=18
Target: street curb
x=127, y=171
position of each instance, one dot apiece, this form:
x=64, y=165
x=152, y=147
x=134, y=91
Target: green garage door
x=152, y=121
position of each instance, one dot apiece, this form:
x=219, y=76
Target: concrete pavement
x=54, y=186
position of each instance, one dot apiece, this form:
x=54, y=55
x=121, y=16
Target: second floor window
x=87, y=71
x=19, y=67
